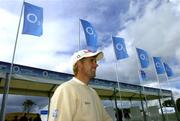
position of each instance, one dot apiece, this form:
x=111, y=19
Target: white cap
x=86, y=53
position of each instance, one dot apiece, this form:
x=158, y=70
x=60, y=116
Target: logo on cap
x=87, y=51
x=78, y=56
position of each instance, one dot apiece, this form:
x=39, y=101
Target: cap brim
x=99, y=55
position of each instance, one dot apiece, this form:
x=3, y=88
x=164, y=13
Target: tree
x=28, y=105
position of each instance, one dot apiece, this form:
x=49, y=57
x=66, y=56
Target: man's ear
x=79, y=64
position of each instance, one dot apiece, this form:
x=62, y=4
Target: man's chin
x=93, y=76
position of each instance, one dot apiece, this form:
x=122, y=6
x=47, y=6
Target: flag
x=143, y=75
x=33, y=20
x=119, y=48
x=168, y=69
x=158, y=65
x=90, y=34
x=143, y=57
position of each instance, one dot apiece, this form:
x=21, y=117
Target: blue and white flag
x=143, y=75
x=33, y=20
x=119, y=48
x=158, y=65
x=168, y=69
x=143, y=57
x=90, y=34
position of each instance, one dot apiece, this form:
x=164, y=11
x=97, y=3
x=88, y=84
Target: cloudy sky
x=152, y=25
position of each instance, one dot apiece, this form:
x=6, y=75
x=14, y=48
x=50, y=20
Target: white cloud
x=156, y=32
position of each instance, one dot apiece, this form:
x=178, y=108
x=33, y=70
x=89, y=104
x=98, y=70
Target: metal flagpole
x=172, y=98
x=7, y=82
x=139, y=75
x=119, y=92
x=115, y=102
x=79, y=41
x=161, y=95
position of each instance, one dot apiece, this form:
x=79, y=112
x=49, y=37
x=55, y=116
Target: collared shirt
x=78, y=81
x=76, y=101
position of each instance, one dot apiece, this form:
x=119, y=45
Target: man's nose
x=96, y=65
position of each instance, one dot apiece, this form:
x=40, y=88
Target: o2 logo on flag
x=90, y=31
x=142, y=56
x=33, y=18
x=158, y=65
x=120, y=47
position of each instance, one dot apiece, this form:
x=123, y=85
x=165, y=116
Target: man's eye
x=93, y=60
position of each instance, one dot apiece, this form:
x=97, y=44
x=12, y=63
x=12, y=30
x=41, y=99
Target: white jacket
x=75, y=101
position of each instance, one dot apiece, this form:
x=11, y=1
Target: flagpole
x=79, y=41
x=7, y=83
x=159, y=89
x=140, y=79
x=172, y=98
x=119, y=90
x=167, y=77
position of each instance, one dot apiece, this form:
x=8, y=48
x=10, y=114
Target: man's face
x=89, y=66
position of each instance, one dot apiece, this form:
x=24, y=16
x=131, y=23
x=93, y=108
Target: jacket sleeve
x=62, y=107
x=104, y=114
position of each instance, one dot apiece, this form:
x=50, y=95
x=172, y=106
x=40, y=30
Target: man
x=74, y=100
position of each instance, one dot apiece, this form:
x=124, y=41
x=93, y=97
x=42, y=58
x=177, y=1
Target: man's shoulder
x=67, y=84
x=67, y=87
